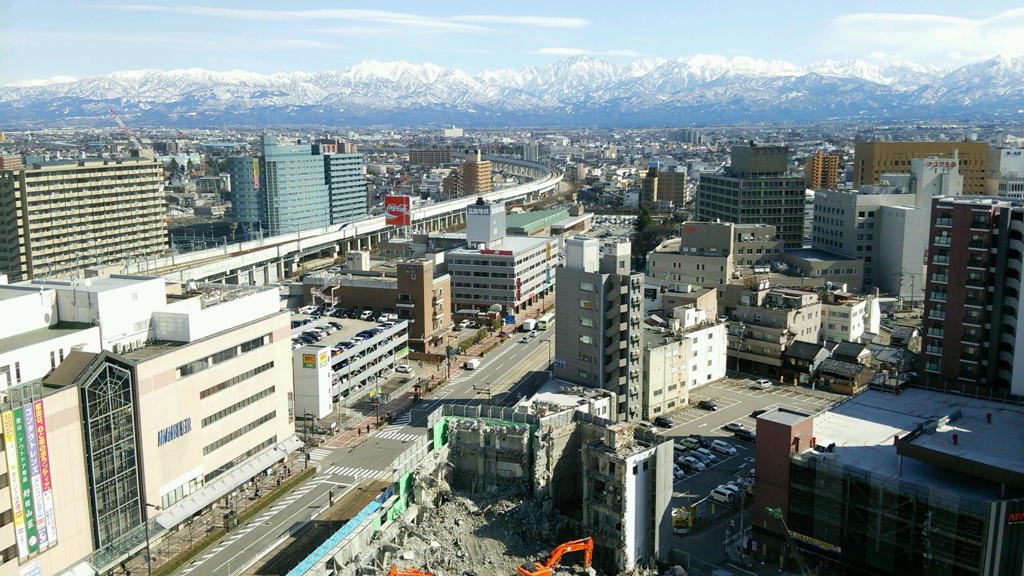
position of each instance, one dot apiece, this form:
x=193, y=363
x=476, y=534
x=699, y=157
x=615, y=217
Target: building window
x=586, y=286
x=584, y=339
x=586, y=304
x=586, y=322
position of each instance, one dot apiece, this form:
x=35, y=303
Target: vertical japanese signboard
x=49, y=510
x=25, y=477
x=11, y=450
x=28, y=468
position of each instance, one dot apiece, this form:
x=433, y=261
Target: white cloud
x=878, y=55
x=463, y=23
x=579, y=51
x=539, y=21
x=193, y=40
x=931, y=38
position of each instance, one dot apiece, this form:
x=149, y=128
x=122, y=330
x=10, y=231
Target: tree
x=644, y=222
x=174, y=165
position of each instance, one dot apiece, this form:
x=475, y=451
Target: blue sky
x=79, y=38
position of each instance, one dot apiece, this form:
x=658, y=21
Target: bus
x=546, y=321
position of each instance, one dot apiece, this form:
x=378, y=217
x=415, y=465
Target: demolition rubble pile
x=490, y=535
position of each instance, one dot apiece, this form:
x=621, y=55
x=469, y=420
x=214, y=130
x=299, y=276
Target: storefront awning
x=227, y=482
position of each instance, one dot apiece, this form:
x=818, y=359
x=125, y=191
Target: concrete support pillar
x=252, y=277
x=279, y=267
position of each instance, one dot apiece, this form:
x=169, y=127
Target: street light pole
x=145, y=522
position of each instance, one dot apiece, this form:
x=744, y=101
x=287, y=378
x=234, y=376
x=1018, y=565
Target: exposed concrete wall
x=486, y=455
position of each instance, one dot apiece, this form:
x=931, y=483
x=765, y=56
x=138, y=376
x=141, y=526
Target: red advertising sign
x=498, y=252
x=398, y=210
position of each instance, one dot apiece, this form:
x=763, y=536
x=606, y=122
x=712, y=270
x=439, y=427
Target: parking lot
x=736, y=400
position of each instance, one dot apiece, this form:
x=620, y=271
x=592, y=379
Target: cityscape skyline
x=313, y=36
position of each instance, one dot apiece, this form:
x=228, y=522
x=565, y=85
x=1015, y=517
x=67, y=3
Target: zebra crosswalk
x=393, y=434
x=353, y=472
x=402, y=420
x=319, y=453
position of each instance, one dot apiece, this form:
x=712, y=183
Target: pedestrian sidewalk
x=170, y=544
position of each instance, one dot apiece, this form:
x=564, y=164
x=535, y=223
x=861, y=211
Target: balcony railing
x=939, y=259
x=933, y=367
x=943, y=221
x=937, y=296
x=972, y=320
x=975, y=283
x=978, y=245
x=936, y=332
x=942, y=240
x=935, y=350
x=970, y=339
x=973, y=302
x=943, y=278
x=937, y=314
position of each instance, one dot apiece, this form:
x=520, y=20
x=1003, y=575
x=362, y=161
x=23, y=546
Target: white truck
x=472, y=364
x=529, y=325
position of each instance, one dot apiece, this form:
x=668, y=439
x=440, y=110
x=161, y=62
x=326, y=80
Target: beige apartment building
x=822, y=171
x=474, y=175
x=58, y=218
x=766, y=323
x=873, y=159
x=712, y=253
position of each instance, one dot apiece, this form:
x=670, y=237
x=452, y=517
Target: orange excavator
x=546, y=569
x=396, y=571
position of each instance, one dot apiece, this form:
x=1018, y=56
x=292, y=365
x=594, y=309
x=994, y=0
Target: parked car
x=464, y=324
x=763, y=384
x=691, y=443
x=337, y=325
x=757, y=413
x=723, y=496
x=707, y=405
x=704, y=442
x=723, y=448
x=700, y=457
x=366, y=315
x=403, y=368
x=663, y=422
x=677, y=471
x=707, y=454
x=648, y=425
x=745, y=435
x=734, y=426
x=694, y=463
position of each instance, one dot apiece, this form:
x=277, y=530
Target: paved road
x=342, y=469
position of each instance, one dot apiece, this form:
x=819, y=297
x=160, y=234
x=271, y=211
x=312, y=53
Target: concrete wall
x=34, y=359
x=26, y=309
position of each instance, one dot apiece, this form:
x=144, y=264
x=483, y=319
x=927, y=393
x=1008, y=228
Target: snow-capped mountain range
x=578, y=91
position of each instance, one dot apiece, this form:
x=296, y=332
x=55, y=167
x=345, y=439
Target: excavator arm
x=586, y=545
x=396, y=571
x=776, y=513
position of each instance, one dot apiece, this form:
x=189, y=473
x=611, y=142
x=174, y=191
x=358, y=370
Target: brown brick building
x=822, y=171
x=872, y=159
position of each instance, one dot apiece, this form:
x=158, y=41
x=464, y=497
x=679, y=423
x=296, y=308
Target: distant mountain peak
x=581, y=89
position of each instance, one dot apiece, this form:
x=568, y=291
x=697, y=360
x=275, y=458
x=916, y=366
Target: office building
x=822, y=172
x=509, y=272
x=689, y=353
x=685, y=136
x=296, y=187
x=1005, y=172
x=452, y=132
x=971, y=319
x=886, y=226
x=766, y=322
x=713, y=253
x=343, y=174
x=149, y=429
x=430, y=157
x=911, y=484
x=474, y=175
x=871, y=160
x=599, y=310
x=756, y=189
x=62, y=217
x=666, y=188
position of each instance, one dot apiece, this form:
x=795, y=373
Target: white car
x=694, y=463
x=533, y=333
x=763, y=384
x=707, y=454
x=677, y=471
x=723, y=448
x=404, y=369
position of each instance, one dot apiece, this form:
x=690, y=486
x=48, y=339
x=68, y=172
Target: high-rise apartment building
x=873, y=159
x=531, y=151
x=474, y=175
x=686, y=136
x=11, y=162
x=662, y=186
x=430, y=157
x=297, y=187
x=599, y=310
x=822, y=171
x=972, y=324
x=61, y=217
x=1005, y=172
x=755, y=189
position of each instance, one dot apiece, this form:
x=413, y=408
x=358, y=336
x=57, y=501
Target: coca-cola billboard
x=398, y=210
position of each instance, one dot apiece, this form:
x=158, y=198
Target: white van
x=763, y=384
x=366, y=315
x=722, y=495
x=723, y=448
x=691, y=443
x=472, y=364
